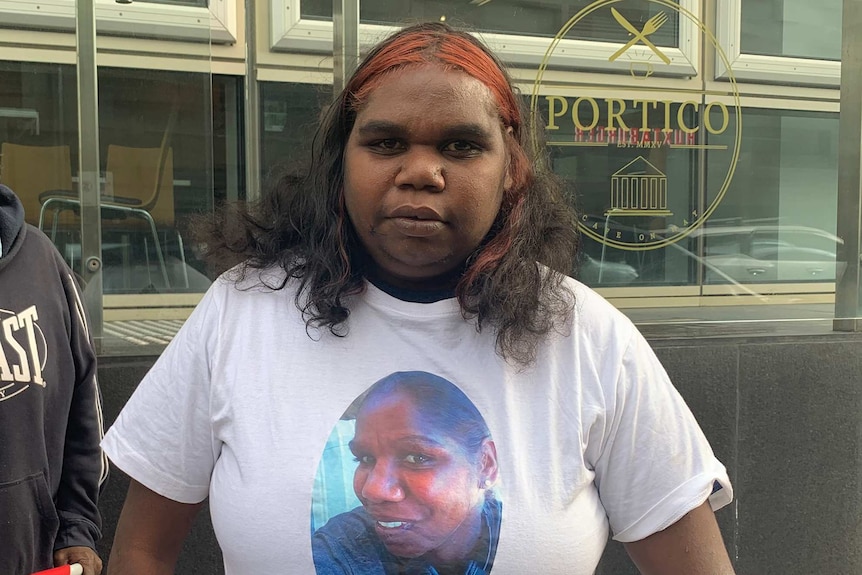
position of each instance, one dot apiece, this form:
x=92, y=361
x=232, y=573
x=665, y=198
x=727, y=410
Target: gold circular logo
x=649, y=202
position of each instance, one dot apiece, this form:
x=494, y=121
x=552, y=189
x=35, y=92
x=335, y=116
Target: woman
x=413, y=246
x=426, y=468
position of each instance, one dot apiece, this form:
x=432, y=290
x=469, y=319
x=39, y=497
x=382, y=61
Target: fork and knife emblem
x=650, y=27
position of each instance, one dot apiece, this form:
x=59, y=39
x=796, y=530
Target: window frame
x=290, y=33
x=765, y=69
x=216, y=24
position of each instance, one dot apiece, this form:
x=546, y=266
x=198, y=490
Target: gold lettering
x=576, y=109
x=554, y=115
x=612, y=115
x=667, y=128
x=680, y=116
x=725, y=118
x=645, y=104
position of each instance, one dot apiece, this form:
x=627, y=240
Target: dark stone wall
x=782, y=413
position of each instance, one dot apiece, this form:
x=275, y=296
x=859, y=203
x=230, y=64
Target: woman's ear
x=488, y=460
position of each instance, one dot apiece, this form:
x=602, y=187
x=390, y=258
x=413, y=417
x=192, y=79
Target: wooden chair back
x=32, y=170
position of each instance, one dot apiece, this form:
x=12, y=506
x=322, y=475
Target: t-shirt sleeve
x=163, y=437
x=655, y=464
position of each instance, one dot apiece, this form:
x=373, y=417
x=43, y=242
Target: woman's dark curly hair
x=302, y=226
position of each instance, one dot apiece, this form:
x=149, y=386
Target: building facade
x=708, y=145
x=698, y=138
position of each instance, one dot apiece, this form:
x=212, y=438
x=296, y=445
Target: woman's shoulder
x=594, y=314
x=244, y=290
x=248, y=279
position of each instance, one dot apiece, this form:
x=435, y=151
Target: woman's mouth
x=417, y=227
x=400, y=537
x=417, y=221
x=392, y=524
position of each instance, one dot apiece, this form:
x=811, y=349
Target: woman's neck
x=413, y=293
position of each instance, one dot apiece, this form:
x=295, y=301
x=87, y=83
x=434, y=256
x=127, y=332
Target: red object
x=73, y=569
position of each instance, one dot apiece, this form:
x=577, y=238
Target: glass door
x=151, y=119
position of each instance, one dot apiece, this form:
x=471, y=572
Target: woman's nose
x=421, y=169
x=381, y=484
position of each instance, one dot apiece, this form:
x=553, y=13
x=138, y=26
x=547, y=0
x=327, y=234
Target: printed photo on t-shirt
x=406, y=484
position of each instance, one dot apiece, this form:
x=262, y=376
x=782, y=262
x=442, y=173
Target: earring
x=488, y=483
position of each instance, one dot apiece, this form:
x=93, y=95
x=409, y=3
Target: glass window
x=165, y=144
x=177, y=19
x=166, y=141
x=795, y=28
x=289, y=117
x=38, y=131
x=632, y=167
x=526, y=18
x=777, y=222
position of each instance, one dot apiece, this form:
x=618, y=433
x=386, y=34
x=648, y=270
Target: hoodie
x=51, y=465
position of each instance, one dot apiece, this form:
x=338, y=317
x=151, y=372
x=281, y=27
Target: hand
x=87, y=557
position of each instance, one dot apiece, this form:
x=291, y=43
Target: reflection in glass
x=158, y=131
x=777, y=222
x=542, y=18
x=631, y=185
x=38, y=131
x=169, y=146
x=795, y=28
x=289, y=117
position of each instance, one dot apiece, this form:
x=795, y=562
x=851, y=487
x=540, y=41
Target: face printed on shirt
x=422, y=489
x=423, y=475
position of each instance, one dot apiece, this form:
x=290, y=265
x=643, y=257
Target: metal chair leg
x=55, y=224
x=183, y=259
x=42, y=213
x=158, y=246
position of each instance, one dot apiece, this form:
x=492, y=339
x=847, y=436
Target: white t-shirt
x=240, y=406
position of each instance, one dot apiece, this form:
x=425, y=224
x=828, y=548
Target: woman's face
x=425, y=169
x=423, y=491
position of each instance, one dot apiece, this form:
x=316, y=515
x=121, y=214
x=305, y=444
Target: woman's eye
x=416, y=459
x=462, y=147
x=387, y=145
x=364, y=459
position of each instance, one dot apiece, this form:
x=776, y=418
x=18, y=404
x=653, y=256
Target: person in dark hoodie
x=51, y=465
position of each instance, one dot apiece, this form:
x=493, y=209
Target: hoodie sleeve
x=85, y=466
